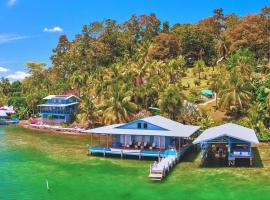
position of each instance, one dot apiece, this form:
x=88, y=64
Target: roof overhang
x=172, y=129
x=58, y=105
x=229, y=130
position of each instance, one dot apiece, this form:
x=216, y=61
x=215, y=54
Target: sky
x=29, y=29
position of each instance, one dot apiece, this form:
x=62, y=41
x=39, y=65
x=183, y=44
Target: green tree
x=171, y=102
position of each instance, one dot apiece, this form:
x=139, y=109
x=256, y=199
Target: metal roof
x=231, y=130
x=3, y=113
x=65, y=97
x=173, y=129
x=7, y=109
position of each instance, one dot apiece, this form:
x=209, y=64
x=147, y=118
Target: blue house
x=228, y=141
x=59, y=108
x=154, y=136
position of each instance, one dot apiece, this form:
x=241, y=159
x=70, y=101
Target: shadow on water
x=190, y=156
x=223, y=162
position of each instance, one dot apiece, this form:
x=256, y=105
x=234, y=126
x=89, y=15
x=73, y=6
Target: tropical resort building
x=3, y=117
x=9, y=110
x=155, y=137
x=228, y=141
x=6, y=113
x=59, y=108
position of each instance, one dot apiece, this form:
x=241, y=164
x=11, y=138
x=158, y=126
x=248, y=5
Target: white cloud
x=11, y=37
x=18, y=75
x=55, y=29
x=11, y=2
x=3, y=69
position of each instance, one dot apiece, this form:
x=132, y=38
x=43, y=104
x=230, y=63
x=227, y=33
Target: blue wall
x=134, y=125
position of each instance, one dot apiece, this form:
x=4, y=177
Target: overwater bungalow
x=229, y=141
x=59, y=108
x=154, y=136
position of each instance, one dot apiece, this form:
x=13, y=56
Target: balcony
x=57, y=111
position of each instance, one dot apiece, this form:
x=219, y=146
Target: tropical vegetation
x=122, y=69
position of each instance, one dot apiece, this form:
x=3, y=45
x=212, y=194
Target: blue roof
x=207, y=92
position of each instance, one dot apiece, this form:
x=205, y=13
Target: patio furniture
x=137, y=145
x=152, y=146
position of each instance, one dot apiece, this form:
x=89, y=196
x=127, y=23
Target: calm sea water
x=28, y=159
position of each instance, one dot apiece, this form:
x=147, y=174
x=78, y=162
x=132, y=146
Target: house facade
x=59, y=108
x=154, y=136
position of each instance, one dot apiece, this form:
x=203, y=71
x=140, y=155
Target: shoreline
x=53, y=131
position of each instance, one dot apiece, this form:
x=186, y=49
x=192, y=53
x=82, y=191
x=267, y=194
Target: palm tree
x=175, y=68
x=88, y=112
x=171, y=101
x=118, y=108
x=78, y=80
x=222, y=46
x=206, y=122
x=216, y=81
x=199, y=67
x=236, y=93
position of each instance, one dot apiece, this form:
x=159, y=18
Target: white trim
x=57, y=105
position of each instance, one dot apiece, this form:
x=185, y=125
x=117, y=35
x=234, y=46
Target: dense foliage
x=121, y=69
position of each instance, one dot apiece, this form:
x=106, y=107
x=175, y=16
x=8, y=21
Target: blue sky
x=29, y=29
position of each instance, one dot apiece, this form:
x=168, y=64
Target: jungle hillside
x=123, y=71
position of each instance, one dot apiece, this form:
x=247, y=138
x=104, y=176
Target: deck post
x=140, y=156
x=121, y=154
x=159, y=143
x=179, y=144
x=107, y=141
x=104, y=152
x=91, y=140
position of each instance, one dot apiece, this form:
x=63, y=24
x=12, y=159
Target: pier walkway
x=167, y=159
x=159, y=170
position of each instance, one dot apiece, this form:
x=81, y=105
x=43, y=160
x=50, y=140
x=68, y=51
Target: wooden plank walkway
x=159, y=170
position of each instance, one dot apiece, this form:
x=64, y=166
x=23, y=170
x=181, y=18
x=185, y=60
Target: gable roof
x=8, y=109
x=3, y=113
x=231, y=130
x=65, y=97
x=173, y=129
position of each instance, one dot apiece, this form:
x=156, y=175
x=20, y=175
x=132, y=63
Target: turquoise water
x=28, y=159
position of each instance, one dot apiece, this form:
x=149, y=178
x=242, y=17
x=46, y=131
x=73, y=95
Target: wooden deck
x=131, y=152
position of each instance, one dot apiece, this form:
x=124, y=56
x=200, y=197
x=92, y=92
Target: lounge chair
x=129, y=145
x=145, y=144
x=152, y=146
x=137, y=145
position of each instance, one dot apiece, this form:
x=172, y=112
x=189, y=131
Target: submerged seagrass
x=28, y=158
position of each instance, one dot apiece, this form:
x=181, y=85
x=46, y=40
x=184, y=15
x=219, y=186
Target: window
x=145, y=125
x=139, y=125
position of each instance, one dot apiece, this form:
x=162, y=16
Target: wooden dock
x=160, y=169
